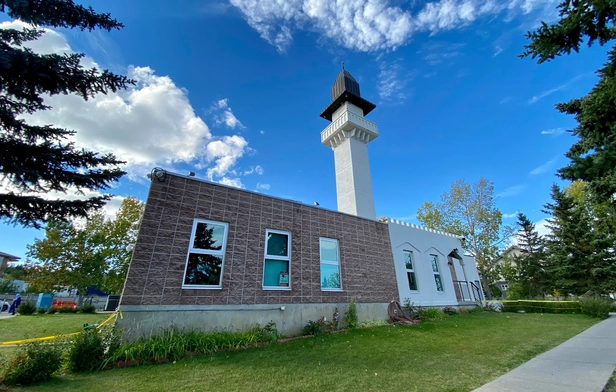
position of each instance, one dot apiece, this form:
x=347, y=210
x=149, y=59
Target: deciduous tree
x=469, y=210
x=37, y=160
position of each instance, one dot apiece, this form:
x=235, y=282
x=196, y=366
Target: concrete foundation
x=148, y=320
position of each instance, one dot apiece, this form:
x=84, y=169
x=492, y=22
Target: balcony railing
x=356, y=120
x=467, y=291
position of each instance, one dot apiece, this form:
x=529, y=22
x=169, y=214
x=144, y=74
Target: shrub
x=596, y=306
x=372, y=323
x=476, y=309
x=41, y=310
x=410, y=310
x=463, y=311
x=351, y=315
x=91, y=348
x=431, y=314
x=514, y=292
x=315, y=328
x=26, y=308
x=449, y=310
x=52, y=310
x=88, y=308
x=34, y=362
x=65, y=309
x=528, y=306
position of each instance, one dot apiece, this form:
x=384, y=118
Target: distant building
x=211, y=256
x=508, y=254
x=5, y=258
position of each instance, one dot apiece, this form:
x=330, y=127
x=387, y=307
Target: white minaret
x=348, y=135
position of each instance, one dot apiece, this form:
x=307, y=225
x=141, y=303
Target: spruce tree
x=580, y=254
x=529, y=265
x=34, y=159
x=593, y=156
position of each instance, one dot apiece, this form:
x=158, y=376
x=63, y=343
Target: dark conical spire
x=346, y=89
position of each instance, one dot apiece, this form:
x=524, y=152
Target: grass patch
x=36, y=326
x=458, y=353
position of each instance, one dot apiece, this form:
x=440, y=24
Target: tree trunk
x=486, y=286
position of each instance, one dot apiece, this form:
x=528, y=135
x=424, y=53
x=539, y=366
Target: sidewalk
x=583, y=363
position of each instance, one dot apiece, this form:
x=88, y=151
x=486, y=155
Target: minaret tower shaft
x=348, y=135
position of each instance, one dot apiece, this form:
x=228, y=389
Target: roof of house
x=8, y=256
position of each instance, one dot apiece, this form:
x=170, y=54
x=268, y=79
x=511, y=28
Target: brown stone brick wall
x=157, y=268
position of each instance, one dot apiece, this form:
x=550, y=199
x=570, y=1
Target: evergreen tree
x=593, y=156
x=37, y=159
x=580, y=254
x=529, y=265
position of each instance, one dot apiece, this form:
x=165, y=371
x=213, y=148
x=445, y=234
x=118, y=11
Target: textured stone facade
x=157, y=269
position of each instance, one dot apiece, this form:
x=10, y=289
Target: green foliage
x=529, y=306
x=580, y=247
x=7, y=286
x=173, y=344
x=351, y=316
x=53, y=310
x=372, y=323
x=88, y=308
x=469, y=210
x=34, y=362
x=514, y=292
x=66, y=309
x=91, y=348
x=94, y=254
x=41, y=159
x=315, y=328
x=596, y=306
x=431, y=314
x=450, y=310
x=41, y=310
x=26, y=308
x=476, y=309
x=530, y=275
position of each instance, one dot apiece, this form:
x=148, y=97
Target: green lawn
x=459, y=353
x=36, y=326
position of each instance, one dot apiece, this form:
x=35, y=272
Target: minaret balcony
x=349, y=124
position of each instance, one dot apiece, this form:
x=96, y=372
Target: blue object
x=44, y=301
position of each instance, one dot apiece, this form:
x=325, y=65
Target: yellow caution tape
x=23, y=341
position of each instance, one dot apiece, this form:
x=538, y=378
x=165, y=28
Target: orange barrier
x=59, y=304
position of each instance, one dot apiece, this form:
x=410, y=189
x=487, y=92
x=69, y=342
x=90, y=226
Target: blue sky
x=233, y=91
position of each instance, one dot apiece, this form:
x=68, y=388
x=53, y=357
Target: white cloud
x=544, y=168
x=224, y=153
x=512, y=191
x=234, y=182
x=254, y=169
x=225, y=115
x=551, y=91
x=393, y=81
x=150, y=124
x=262, y=132
x=553, y=132
x=370, y=25
x=509, y=216
x=263, y=186
x=541, y=227
x=497, y=50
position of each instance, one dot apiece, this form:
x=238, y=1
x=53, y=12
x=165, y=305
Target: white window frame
x=220, y=253
x=412, y=270
x=286, y=258
x=438, y=267
x=327, y=262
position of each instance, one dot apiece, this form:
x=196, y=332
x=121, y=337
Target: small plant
x=35, y=362
x=26, y=308
x=411, y=311
x=476, y=309
x=91, y=348
x=269, y=333
x=596, y=306
x=351, y=315
x=432, y=314
x=372, y=323
x=65, y=309
x=449, y=310
x=76, y=309
x=89, y=308
x=463, y=310
x=41, y=310
x=315, y=328
x=52, y=310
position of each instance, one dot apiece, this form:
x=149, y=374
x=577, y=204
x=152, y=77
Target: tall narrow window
x=276, y=267
x=437, y=273
x=330, y=265
x=410, y=269
x=206, y=255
